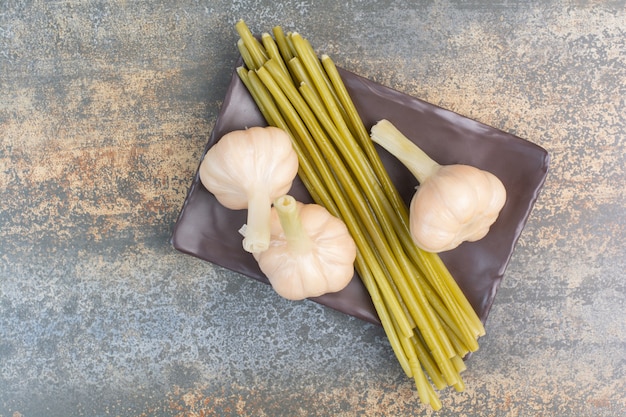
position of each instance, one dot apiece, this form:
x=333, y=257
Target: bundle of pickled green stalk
x=429, y=322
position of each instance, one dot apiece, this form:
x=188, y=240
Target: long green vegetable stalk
x=429, y=323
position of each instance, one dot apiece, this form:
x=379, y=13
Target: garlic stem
x=246, y=77
x=362, y=135
x=381, y=260
x=297, y=238
x=254, y=47
x=328, y=157
x=319, y=172
x=272, y=50
x=281, y=42
x=245, y=54
x=417, y=161
x=257, y=237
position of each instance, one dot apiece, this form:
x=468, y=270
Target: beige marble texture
x=105, y=108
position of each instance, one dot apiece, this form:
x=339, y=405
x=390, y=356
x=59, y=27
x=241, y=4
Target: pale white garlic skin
x=328, y=265
x=459, y=203
x=243, y=161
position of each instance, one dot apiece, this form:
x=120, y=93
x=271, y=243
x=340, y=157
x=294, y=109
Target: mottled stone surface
x=105, y=108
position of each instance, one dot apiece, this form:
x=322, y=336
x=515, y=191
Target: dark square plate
x=208, y=231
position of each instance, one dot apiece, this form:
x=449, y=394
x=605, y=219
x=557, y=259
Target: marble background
x=105, y=108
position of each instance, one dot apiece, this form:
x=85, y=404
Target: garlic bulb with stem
x=453, y=203
x=248, y=169
x=311, y=252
